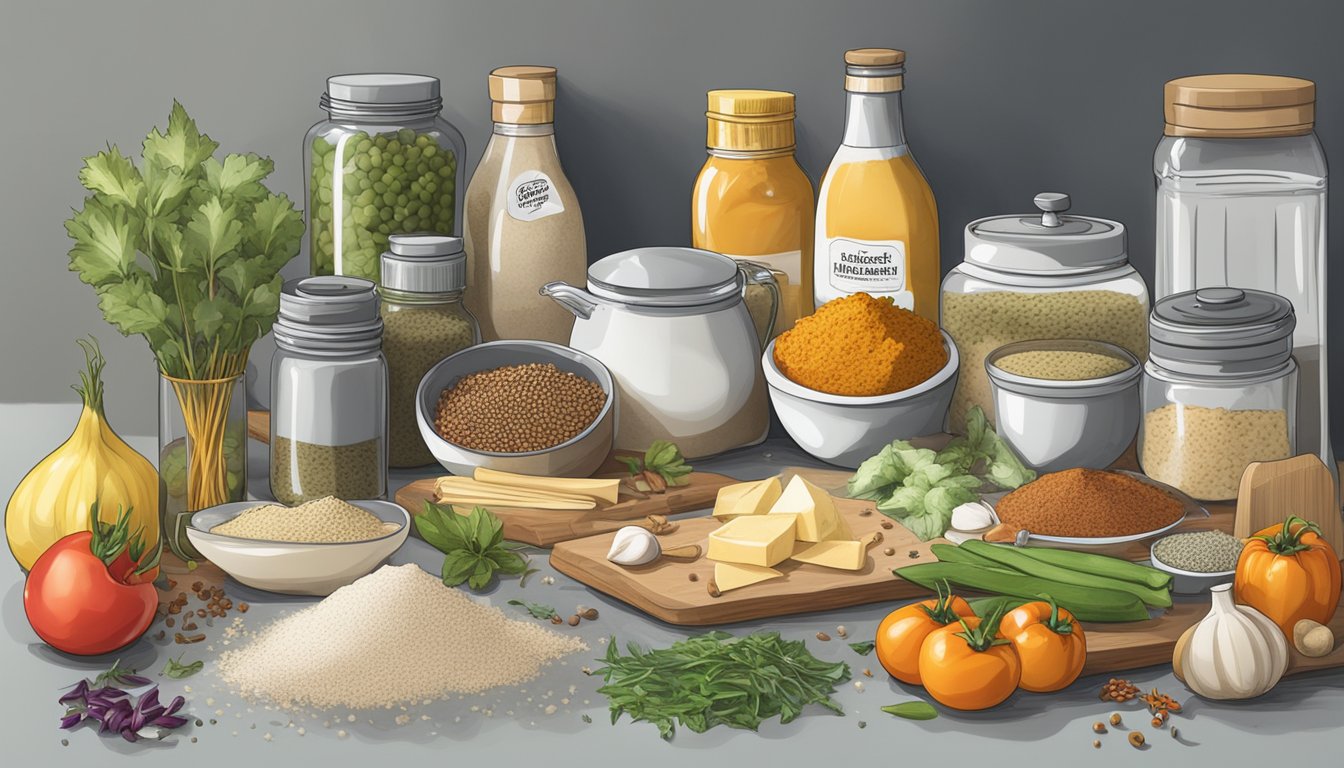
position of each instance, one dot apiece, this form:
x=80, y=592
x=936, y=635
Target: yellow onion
x=53, y=500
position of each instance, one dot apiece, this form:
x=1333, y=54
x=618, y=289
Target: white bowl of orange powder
x=865, y=345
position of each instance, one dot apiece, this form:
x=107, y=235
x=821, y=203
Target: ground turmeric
x=860, y=346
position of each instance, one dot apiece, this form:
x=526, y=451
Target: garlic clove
x=634, y=545
x=972, y=516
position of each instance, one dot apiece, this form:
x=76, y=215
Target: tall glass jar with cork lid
x=752, y=202
x=424, y=321
x=383, y=161
x=524, y=228
x=328, y=392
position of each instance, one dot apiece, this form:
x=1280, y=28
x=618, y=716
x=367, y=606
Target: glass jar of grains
x=383, y=161
x=1039, y=276
x=328, y=392
x=424, y=321
x=1219, y=389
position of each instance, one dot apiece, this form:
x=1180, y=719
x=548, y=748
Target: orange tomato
x=965, y=666
x=1049, y=642
x=903, y=631
x=1289, y=573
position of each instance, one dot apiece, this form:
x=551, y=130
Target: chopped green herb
x=177, y=670
x=536, y=609
x=663, y=460
x=473, y=545
x=864, y=648
x=912, y=710
x=717, y=679
x=522, y=580
x=587, y=719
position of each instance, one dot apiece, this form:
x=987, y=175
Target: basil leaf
x=458, y=567
x=912, y=710
x=538, y=610
x=177, y=670
x=864, y=648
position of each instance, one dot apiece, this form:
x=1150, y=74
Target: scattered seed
x=1098, y=727
x=588, y=614
x=65, y=742
x=199, y=723
x=1175, y=733
x=858, y=686
x=557, y=620
x=712, y=588
x=586, y=719
x=840, y=631
x=168, y=622
x=865, y=512
x=889, y=551
x=823, y=637
x=886, y=524
x=550, y=709
x=1136, y=739
x=193, y=739
x=1096, y=743
x=693, y=577
x=913, y=554
x=867, y=672
x=862, y=724
x=242, y=607
x=1157, y=722
x=1115, y=719
x=574, y=620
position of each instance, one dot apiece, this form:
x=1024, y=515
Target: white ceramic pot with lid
x=671, y=325
x=1042, y=275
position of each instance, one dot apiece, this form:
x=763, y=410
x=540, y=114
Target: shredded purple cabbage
x=115, y=711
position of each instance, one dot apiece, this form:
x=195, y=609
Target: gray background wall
x=1004, y=99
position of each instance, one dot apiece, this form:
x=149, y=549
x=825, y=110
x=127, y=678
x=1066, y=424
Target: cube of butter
x=845, y=555
x=754, y=498
x=763, y=540
x=814, y=508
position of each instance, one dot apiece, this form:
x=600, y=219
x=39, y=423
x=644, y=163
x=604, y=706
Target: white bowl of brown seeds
x=530, y=407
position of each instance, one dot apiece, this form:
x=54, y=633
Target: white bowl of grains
x=529, y=407
x=1197, y=560
x=1065, y=403
x=312, y=549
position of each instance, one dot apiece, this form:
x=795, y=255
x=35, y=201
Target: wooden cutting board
x=548, y=527
x=664, y=590
x=1272, y=490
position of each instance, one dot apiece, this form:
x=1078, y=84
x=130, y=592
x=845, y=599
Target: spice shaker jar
x=1045, y=275
x=1219, y=389
x=424, y=321
x=383, y=161
x=329, y=392
x=1241, y=187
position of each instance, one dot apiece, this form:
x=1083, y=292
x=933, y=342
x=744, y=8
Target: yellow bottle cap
x=523, y=95
x=750, y=120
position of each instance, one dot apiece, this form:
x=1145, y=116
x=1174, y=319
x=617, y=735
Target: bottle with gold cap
x=1241, y=187
x=753, y=202
x=523, y=225
x=877, y=222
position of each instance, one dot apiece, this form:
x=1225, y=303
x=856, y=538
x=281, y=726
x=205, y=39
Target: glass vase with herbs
x=186, y=250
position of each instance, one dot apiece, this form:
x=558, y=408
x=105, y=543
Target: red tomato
x=76, y=606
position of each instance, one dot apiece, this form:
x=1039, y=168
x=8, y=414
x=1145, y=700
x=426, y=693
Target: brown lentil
x=518, y=408
x=574, y=620
x=886, y=524
x=823, y=637
x=1136, y=739
x=1088, y=503
x=693, y=577
x=1115, y=719
x=1096, y=743
x=1118, y=690
x=1098, y=727
x=588, y=614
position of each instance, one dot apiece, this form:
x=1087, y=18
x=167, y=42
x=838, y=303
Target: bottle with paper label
x=877, y=222
x=523, y=225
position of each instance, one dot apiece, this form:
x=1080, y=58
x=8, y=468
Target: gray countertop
x=513, y=725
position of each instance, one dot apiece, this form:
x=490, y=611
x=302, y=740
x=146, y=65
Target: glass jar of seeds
x=1045, y=275
x=383, y=161
x=424, y=321
x=1219, y=389
x=328, y=392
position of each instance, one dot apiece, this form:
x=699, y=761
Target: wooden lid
x=523, y=95
x=745, y=120
x=874, y=57
x=1239, y=106
x=746, y=102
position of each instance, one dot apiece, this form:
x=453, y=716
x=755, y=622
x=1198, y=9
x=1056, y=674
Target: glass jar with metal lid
x=1045, y=275
x=1219, y=389
x=329, y=392
x=672, y=326
x=383, y=161
x=424, y=321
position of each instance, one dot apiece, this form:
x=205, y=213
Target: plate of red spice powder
x=1094, y=507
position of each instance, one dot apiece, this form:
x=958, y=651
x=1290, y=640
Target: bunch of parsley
x=919, y=487
x=185, y=250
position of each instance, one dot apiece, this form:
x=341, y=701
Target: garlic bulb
x=1235, y=652
x=634, y=546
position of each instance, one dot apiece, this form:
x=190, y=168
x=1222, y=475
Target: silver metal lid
x=1048, y=241
x=666, y=276
x=1222, y=331
x=383, y=88
x=424, y=262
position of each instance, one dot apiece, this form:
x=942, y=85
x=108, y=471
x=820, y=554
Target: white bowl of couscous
x=347, y=548
x=845, y=430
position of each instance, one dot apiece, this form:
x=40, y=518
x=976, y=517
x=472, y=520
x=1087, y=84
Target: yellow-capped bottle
x=877, y=222
x=753, y=202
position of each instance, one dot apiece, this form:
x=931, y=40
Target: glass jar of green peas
x=383, y=161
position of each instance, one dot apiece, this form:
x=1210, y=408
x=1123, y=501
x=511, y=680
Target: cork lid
x=1239, y=106
x=750, y=120
x=874, y=70
x=523, y=95
x=875, y=57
